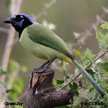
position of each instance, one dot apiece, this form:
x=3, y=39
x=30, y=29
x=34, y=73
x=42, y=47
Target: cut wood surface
x=45, y=95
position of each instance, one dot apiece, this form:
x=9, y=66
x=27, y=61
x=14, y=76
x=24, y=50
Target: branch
x=71, y=80
x=47, y=96
x=46, y=7
x=4, y=30
x=95, y=29
x=97, y=59
x=88, y=33
x=14, y=9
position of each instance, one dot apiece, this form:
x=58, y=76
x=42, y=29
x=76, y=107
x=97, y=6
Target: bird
x=45, y=44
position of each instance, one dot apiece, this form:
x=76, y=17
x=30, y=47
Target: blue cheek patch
x=20, y=23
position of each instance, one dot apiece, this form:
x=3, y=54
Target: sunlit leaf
x=105, y=25
x=102, y=38
x=88, y=53
x=78, y=53
x=12, y=65
x=20, y=106
x=71, y=43
x=14, y=96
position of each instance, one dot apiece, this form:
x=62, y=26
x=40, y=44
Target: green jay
x=45, y=44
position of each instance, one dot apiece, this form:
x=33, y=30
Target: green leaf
x=88, y=53
x=10, y=91
x=78, y=53
x=71, y=43
x=76, y=93
x=103, y=66
x=102, y=38
x=20, y=106
x=91, y=89
x=18, y=86
x=14, y=96
x=67, y=76
x=12, y=65
x=2, y=72
x=105, y=25
x=106, y=94
x=60, y=81
x=91, y=72
x=73, y=86
x=106, y=73
x=55, y=83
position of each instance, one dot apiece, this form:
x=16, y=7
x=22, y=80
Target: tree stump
x=41, y=92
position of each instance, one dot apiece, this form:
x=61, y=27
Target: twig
x=14, y=9
x=95, y=29
x=14, y=42
x=46, y=7
x=88, y=33
x=70, y=81
x=4, y=30
x=94, y=68
x=85, y=68
x=7, y=50
x=97, y=59
x=91, y=62
x=99, y=76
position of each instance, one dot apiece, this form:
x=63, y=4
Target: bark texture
x=41, y=92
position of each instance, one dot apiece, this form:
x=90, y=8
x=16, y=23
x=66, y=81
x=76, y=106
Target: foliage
x=14, y=84
x=105, y=25
x=83, y=91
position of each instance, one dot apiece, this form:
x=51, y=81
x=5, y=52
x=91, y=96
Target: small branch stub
x=46, y=95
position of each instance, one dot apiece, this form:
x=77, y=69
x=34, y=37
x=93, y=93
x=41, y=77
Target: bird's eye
x=19, y=18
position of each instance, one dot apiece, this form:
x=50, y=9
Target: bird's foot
x=47, y=64
x=37, y=72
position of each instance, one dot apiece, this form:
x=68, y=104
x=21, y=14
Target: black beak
x=8, y=20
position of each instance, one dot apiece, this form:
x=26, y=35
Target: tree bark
x=41, y=92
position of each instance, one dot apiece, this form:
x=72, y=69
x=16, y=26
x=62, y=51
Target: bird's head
x=20, y=21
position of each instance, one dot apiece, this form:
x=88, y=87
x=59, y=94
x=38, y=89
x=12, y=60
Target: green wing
x=44, y=36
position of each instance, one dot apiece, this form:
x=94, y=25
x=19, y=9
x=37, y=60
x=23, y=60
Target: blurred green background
x=68, y=15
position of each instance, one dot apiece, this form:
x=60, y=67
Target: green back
x=44, y=36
